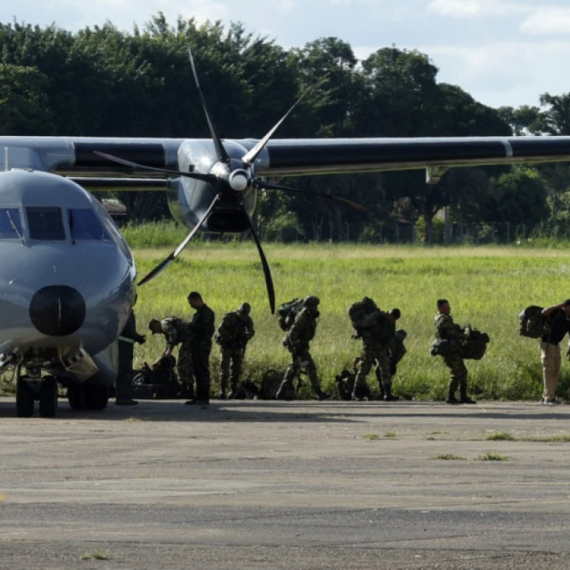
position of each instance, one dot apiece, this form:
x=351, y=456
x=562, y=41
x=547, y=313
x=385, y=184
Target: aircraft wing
x=75, y=157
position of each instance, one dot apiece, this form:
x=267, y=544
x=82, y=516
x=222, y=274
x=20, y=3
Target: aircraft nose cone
x=57, y=310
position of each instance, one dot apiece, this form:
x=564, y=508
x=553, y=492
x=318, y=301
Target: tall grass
x=486, y=286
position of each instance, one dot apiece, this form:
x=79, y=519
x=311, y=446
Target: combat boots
x=465, y=399
x=322, y=395
x=360, y=393
x=388, y=396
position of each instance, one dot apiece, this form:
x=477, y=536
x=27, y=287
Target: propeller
x=265, y=265
x=220, y=150
x=268, y=186
x=136, y=166
x=230, y=184
x=166, y=262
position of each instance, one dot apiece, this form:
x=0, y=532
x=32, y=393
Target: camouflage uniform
x=127, y=339
x=232, y=336
x=446, y=329
x=378, y=344
x=202, y=328
x=297, y=343
x=177, y=332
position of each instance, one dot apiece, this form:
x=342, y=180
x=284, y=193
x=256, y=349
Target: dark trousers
x=201, y=364
x=124, y=387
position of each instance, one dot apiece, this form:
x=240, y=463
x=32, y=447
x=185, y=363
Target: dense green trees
x=104, y=82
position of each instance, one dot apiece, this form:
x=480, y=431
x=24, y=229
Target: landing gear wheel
x=96, y=397
x=48, y=397
x=24, y=399
x=76, y=397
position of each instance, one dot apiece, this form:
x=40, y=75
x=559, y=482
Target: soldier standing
x=446, y=329
x=202, y=328
x=233, y=335
x=177, y=332
x=297, y=343
x=378, y=335
x=127, y=339
x=558, y=319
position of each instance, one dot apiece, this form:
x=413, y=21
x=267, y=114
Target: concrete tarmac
x=295, y=485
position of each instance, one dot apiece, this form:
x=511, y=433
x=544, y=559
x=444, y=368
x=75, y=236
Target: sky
x=502, y=52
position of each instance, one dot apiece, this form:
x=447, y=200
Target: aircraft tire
x=25, y=399
x=76, y=397
x=48, y=397
x=96, y=397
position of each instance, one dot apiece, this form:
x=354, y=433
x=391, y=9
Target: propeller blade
x=220, y=150
x=267, y=186
x=194, y=175
x=166, y=262
x=251, y=155
x=266, y=270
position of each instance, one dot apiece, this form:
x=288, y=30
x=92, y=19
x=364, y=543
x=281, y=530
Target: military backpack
x=363, y=314
x=475, y=344
x=287, y=312
x=532, y=322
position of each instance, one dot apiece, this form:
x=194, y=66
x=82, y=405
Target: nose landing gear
x=30, y=389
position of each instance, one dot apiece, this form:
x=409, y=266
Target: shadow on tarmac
x=267, y=411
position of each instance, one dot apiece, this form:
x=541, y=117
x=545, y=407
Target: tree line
x=101, y=81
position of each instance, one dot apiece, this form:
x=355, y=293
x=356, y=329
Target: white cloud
x=546, y=21
x=473, y=8
x=505, y=73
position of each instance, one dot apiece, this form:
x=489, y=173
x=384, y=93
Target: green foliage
x=449, y=457
x=493, y=456
x=154, y=234
x=487, y=287
x=500, y=436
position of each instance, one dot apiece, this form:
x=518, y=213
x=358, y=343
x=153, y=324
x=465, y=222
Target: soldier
x=202, y=328
x=378, y=347
x=232, y=336
x=558, y=324
x=446, y=329
x=297, y=342
x=177, y=332
x=127, y=339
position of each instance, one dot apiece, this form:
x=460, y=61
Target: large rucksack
x=287, y=312
x=159, y=383
x=270, y=383
x=363, y=314
x=532, y=322
x=399, y=350
x=475, y=344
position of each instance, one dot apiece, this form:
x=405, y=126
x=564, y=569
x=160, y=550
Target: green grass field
x=486, y=286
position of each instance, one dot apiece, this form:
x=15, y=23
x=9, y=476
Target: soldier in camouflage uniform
x=232, y=336
x=202, y=328
x=177, y=333
x=446, y=329
x=297, y=343
x=378, y=346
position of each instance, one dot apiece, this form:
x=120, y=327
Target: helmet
x=244, y=308
x=311, y=301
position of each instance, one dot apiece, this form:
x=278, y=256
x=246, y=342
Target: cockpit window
x=45, y=223
x=84, y=224
x=10, y=224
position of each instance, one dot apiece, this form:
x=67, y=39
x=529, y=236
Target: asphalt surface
x=307, y=485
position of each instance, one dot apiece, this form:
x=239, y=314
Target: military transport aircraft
x=67, y=278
